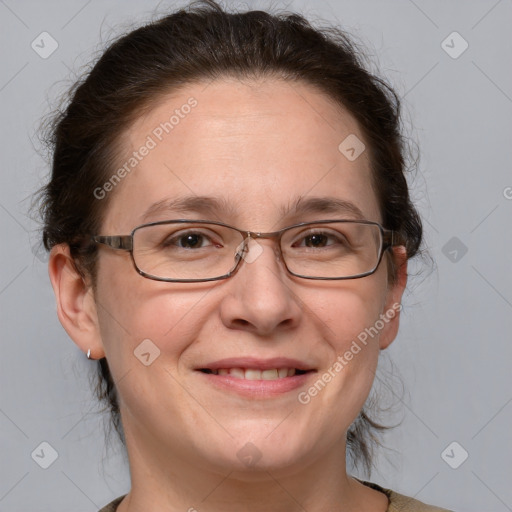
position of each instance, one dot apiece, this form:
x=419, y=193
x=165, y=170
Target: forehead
x=259, y=148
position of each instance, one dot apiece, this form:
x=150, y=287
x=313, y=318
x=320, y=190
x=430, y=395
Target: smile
x=256, y=377
x=255, y=373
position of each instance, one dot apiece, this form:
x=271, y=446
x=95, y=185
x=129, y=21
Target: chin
x=253, y=457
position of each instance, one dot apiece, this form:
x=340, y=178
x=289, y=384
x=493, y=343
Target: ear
x=76, y=307
x=392, y=306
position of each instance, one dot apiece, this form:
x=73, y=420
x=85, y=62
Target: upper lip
x=257, y=364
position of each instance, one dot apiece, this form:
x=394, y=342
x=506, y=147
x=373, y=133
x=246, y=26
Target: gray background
x=453, y=351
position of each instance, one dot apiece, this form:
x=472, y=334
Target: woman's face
x=255, y=148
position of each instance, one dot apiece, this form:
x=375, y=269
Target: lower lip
x=257, y=388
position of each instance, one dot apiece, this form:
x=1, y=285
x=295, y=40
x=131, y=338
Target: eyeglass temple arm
x=393, y=238
x=124, y=243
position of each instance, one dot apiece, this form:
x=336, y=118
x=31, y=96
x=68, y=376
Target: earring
x=89, y=354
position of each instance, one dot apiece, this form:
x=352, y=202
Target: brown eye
x=320, y=239
x=316, y=240
x=188, y=240
x=191, y=241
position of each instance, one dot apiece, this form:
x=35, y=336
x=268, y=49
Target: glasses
x=198, y=250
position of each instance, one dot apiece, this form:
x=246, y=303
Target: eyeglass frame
x=389, y=238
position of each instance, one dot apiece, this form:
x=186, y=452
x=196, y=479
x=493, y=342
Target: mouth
x=256, y=378
x=256, y=373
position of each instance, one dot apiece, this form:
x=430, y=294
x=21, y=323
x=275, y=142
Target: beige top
x=397, y=502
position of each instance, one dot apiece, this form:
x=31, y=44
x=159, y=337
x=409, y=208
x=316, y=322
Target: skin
x=258, y=145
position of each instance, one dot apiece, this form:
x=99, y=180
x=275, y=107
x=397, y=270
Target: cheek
x=132, y=309
x=138, y=316
x=341, y=386
x=352, y=309
x=349, y=319
x=355, y=344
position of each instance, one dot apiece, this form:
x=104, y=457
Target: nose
x=262, y=299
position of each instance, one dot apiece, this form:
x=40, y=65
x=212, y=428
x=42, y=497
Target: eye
x=316, y=240
x=319, y=239
x=188, y=240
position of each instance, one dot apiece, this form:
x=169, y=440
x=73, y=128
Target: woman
x=229, y=226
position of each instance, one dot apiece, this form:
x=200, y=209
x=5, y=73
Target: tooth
x=253, y=374
x=269, y=374
x=238, y=373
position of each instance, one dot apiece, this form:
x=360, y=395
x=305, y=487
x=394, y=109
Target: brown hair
x=204, y=42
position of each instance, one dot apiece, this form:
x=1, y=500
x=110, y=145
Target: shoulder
x=400, y=503
x=397, y=502
x=112, y=506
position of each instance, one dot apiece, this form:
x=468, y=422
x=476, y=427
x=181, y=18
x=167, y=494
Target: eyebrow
x=219, y=207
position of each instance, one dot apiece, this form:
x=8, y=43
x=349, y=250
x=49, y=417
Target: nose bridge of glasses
x=251, y=247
